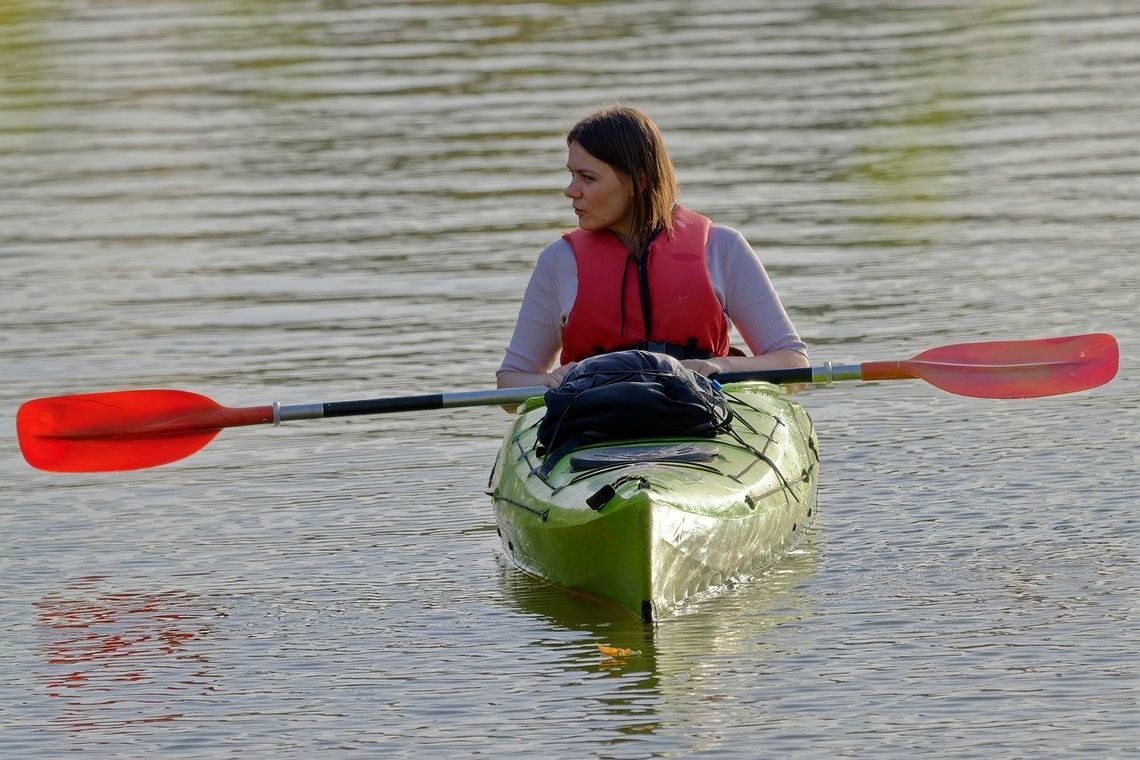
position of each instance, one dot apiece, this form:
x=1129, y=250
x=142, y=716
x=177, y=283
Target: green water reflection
x=662, y=678
x=922, y=143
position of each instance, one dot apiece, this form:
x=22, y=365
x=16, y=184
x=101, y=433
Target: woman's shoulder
x=557, y=248
x=557, y=256
x=727, y=241
x=555, y=264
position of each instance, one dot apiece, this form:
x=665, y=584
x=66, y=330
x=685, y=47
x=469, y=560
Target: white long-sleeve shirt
x=739, y=280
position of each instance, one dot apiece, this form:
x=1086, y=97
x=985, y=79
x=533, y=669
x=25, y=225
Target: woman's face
x=602, y=196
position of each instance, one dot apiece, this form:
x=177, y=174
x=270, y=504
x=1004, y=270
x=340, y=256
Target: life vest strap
x=687, y=350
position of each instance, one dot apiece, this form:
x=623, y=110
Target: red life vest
x=669, y=288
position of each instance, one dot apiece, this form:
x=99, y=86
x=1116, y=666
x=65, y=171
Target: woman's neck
x=637, y=246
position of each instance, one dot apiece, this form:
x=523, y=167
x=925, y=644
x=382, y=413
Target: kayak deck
x=649, y=524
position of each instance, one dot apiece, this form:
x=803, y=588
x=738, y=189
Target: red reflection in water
x=122, y=658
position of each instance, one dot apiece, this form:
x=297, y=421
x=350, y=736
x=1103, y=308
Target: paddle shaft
x=825, y=373
x=503, y=396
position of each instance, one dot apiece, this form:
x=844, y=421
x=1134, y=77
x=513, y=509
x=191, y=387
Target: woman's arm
x=509, y=379
x=537, y=337
x=781, y=359
x=752, y=304
x=749, y=298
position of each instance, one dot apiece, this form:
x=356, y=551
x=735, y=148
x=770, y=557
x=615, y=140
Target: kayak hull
x=650, y=524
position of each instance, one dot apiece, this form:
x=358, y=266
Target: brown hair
x=631, y=143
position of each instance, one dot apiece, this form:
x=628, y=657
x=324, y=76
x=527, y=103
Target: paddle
x=129, y=430
x=994, y=369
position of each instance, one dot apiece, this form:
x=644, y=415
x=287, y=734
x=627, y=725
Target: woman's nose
x=570, y=191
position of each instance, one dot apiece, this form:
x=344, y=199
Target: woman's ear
x=633, y=185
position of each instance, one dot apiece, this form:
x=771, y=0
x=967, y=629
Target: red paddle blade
x=1011, y=369
x=122, y=430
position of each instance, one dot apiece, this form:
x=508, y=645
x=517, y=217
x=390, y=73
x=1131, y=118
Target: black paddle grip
x=789, y=375
x=383, y=405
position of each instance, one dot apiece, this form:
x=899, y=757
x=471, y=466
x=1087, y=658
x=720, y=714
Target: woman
x=641, y=271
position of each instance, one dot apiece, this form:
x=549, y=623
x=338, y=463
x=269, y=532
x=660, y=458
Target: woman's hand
x=706, y=367
x=528, y=379
x=784, y=358
x=775, y=360
x=550, y=379
x=555, y=377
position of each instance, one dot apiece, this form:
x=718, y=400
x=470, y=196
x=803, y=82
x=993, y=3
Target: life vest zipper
x=643, y=288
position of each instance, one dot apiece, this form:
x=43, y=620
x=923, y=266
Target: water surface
x=320, y=201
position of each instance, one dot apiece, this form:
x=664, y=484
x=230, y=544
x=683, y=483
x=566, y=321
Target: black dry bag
x=629, y=394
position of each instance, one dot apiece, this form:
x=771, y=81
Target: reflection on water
x=115, y=659
x=667, y=672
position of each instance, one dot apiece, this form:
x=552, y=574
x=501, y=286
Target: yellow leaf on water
x=615, y=651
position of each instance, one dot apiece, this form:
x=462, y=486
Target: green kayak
x=648, y=524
